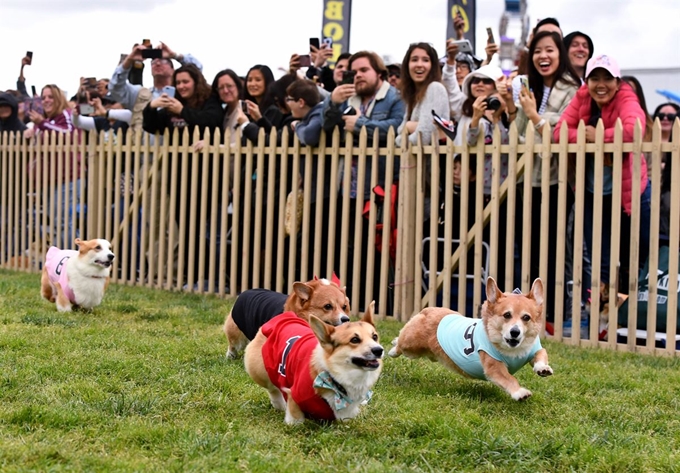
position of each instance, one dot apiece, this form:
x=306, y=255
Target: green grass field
x=142, y=384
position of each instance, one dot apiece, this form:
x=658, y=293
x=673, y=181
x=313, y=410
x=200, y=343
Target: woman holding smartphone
x=550, y=85
x=189, y=104
x=258, y=80
x=56, y=117
x=422, y=91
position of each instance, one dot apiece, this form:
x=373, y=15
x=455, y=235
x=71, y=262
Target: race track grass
x=142, y=384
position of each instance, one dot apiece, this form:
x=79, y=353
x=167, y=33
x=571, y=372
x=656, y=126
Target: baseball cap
x=605, y=62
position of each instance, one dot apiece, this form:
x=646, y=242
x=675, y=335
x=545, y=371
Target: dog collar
x=341, y=400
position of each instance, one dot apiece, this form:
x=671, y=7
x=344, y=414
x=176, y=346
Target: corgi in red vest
x=315, y=370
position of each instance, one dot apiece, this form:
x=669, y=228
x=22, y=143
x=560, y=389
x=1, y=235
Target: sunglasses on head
x=668, y=116
x=483, y=80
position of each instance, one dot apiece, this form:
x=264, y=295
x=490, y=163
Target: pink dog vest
x=55, y=262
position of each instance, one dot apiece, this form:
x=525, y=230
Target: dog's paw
x=393, y=352
x=521, y=394
x=64, y=308
x=290, y=420
x=394, y=341
x=232, y=354
x=542, y=369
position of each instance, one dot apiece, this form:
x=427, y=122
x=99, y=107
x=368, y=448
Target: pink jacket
x=55, y=262
x=624, y=105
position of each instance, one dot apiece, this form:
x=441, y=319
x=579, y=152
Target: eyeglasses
x=462, y=65
x=483, y=80
x=668, y=116
x=227, y=86
x=156, y=62
x=290, y=99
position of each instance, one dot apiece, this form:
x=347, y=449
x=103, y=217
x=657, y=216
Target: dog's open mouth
x=105, y=263
x=513, y=342
x=372, y=364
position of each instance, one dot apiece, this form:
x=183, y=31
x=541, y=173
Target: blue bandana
x=341, y=400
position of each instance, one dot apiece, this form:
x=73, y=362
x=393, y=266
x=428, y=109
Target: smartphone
x=29, y=55
x=91, y=81
x=123, y=57
x=348, y=77
x=152, y=53
x=33, y=91
x=244, y=106
x=328, y=41
x=169, y=91
x=489, y=34
x=464, y=46
x=305, y=60
x=37, y=106
x=524, y=80
x=85, y=109
x=349, y=111
x=313, y=42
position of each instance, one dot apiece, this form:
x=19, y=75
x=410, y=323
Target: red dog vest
x=286, y=354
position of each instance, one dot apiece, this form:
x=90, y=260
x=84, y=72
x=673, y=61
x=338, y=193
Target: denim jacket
x=387, y=110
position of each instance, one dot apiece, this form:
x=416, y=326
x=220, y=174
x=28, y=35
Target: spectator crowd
x=558, y=81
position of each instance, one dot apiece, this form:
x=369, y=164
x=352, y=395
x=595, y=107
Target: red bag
x=380, y=203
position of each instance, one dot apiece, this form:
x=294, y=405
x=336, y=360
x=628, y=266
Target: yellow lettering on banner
x=455, y=10
x=334, y=10
x=337, y=51
x=334, y=30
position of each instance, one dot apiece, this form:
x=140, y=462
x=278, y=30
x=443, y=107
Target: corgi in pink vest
x=80, y=278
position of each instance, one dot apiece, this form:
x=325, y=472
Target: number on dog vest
x=284, y=355
x=469, y=333
x=61, y=264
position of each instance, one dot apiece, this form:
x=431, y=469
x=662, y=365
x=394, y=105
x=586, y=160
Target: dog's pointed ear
x=537, y=291
x=77, y=241
x=322, y=330
x=303, y=291
x=492, y=291
x=368, y=315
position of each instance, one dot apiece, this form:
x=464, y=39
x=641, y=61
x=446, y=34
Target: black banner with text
x=466, y=9
x=336, y=24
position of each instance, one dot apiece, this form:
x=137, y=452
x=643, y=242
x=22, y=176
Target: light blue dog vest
x=462, y=338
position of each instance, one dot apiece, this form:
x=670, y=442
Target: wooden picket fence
x=214, y=220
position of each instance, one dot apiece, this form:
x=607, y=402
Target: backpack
x=379, y=200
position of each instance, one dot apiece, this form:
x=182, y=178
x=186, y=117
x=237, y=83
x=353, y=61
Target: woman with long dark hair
x=258, y=80
x=422, y=91
x=193, y=105
x=552, y=82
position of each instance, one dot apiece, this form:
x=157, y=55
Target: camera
x=492, y=103
x=348, y=77
x=244, y=106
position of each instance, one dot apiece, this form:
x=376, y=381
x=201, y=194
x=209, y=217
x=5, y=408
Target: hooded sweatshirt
x=12, y=123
